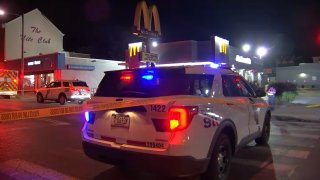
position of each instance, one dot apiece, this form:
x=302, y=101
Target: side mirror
x=260, y=93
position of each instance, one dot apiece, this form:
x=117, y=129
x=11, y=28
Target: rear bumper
x=79, y=97
x=8, y=93
x=159, y=164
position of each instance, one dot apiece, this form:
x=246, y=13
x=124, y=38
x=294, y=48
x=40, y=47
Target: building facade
x=216, y=50
x=44, y=58
x=306, y=75
x=40, y=70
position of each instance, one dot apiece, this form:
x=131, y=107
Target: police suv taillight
x=179, y=118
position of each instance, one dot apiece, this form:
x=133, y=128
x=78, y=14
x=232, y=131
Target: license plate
x=120, y=120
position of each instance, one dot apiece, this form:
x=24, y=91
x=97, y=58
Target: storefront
x=40, y=70
x=250, y=67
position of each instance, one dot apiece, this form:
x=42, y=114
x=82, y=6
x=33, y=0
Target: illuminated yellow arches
x=148, y=15
x=223, y=48
x=135, y=48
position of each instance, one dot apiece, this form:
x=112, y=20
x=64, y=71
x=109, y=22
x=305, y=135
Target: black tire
x=40, y=98
x=62, y=99
x=80, y=102
x=264, y=138
x=220, y=162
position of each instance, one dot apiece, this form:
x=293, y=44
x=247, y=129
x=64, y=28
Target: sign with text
x=40, y=36
x=151, y=57
x=242, y=59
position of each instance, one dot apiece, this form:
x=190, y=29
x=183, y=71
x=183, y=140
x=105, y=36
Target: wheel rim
x=223, y=160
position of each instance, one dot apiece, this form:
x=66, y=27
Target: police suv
x=62, y=91
x=200, y=114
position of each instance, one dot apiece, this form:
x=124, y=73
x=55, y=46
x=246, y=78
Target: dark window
x=51, y=85
x=80, y=83
x=154, y=83
x=66, y=84
x=56, y=84
x=234, y=85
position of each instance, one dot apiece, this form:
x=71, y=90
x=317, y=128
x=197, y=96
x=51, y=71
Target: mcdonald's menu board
x=150, y=57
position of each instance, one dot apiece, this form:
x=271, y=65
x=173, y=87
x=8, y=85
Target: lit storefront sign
x=32, y=63
x=243, y=59
x=80, y=67
x=134, y=48
x=223, y=44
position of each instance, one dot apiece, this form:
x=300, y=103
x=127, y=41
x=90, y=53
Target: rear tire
x=62, y=99
x=220, y=162
x=264, y=138
x=80, y=102
x=40, y=98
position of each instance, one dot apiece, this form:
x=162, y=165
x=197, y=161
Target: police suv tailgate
x=139, y=126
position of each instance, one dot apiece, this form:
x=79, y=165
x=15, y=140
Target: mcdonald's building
x=216, y=50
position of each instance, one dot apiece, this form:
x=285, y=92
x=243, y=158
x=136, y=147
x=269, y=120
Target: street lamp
x=261, y=51
x=22, y=48
x=246, y=47
x=154, y=44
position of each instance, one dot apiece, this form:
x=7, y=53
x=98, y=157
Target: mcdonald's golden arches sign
x=150, y=15
x=222, y=43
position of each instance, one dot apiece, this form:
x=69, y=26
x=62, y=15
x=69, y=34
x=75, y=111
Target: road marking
x=313, y=106
x=268, y=164
x=309, y=136
x=291, y=144
x=300, y=154
x=21, y=169
x=291, y=129
x=296, y=124
x=55, y=122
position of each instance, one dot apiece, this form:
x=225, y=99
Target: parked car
x=64, y=90
x=187, y=131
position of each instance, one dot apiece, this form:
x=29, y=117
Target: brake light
x=89, y=117
x=15, y=81
x=126, y=77
x=173, y=124
x=179, y=118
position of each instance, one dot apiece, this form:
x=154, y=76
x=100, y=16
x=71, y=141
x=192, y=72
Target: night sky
x=103, y=27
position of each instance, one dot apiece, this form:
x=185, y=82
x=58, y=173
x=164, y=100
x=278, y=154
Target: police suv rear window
x=80, y=83
x=154, y=83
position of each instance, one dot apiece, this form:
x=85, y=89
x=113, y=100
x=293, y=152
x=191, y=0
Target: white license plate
x=120, y=120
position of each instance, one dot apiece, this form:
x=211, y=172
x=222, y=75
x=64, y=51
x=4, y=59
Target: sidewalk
x=300, y=109
x=26, y=96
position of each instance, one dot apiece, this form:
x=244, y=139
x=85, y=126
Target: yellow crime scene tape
x=58, y=111
x=313, y=106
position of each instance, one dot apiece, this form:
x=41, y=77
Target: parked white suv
x=64, y=90
x=188, y=130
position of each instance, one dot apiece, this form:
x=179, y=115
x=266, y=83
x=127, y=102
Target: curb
x=293, y=119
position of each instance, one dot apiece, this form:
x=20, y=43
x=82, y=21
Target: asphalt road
x=50, y=148
x=28, y=103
